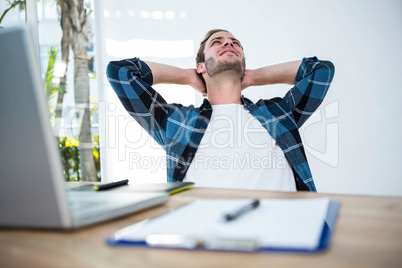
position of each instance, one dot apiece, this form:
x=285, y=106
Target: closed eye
x=215, y=42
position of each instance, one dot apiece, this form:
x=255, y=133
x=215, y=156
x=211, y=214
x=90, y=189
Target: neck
x=224, y=89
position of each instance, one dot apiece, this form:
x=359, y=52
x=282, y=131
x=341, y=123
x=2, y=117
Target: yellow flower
x=71, y=142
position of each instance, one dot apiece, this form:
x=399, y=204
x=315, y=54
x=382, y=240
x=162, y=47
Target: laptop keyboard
x=87, y=207
x=85, y=203
x=80, y=204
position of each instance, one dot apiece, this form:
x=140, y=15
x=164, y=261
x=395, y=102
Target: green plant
x=12, y=4
x=68, y=147
x=71, y=159
x=74, y=18
x=96, y=153
x=51, y=88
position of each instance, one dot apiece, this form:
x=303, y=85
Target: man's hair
x=201, y=55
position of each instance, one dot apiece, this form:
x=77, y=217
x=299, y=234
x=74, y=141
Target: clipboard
x=302, y=225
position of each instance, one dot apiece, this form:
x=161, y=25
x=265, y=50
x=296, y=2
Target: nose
x=228, y=42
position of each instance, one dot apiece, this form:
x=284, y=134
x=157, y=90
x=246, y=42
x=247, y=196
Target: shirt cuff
x=306, y=68
x=143, y=71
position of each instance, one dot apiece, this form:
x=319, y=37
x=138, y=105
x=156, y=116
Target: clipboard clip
x=189, y=242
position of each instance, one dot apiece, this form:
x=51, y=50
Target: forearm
x=283, y=73
x=167, y=74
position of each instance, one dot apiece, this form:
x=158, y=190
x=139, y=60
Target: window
x=68, y=74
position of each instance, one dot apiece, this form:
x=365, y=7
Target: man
x=228, y=141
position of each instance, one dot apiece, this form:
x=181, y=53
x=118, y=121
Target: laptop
x=32, y=188
x=168, y=187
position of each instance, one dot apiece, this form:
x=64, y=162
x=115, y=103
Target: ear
x=200, y=67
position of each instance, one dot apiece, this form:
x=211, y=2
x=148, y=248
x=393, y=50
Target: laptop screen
x=31, y=184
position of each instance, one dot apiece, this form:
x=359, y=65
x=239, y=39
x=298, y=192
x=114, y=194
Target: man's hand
x=196, y=82
x=247, y=79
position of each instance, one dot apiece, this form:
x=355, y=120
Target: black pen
x=107, y=186
x=237, y=213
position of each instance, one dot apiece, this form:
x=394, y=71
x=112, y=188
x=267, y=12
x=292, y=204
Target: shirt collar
x=206, y=105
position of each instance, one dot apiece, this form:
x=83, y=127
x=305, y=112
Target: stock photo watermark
x=202, y=162
x=327, y=119
x=123, y=133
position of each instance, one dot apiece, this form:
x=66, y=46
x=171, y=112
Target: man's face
x=224, y=53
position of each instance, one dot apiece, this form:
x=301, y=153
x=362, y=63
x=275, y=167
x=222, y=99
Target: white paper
x=275, y=223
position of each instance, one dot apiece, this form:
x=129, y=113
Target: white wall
x=351, y=141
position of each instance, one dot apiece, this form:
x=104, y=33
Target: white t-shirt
x=237, y=152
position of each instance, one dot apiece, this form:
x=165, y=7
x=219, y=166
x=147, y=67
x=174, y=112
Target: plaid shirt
x=179, y=129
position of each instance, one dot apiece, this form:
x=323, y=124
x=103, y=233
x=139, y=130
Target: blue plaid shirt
x=179, y=129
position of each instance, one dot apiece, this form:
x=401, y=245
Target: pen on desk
x=237, y=213
x=107, y=186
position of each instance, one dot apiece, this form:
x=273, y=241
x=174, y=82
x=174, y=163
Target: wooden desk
x=368, y=234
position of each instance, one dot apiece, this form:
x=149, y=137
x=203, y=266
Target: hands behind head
x=197, y=83
x=246, y=80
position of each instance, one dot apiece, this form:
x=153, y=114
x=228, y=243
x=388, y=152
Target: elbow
x=328, y=65
x=112, y=70
x=327, y=71
x=109, y=69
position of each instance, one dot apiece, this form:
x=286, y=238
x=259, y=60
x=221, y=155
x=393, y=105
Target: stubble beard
x=235, y=68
